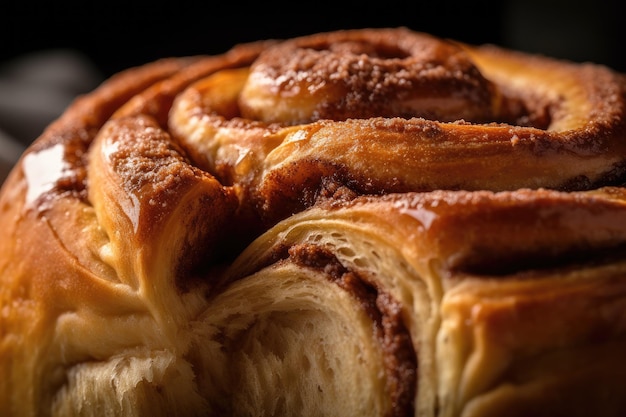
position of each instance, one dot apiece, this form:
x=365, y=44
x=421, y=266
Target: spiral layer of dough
x=364, y=222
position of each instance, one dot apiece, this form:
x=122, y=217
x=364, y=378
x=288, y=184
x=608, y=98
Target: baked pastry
x=364, y=222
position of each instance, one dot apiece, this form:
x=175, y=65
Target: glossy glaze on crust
x=366, y=222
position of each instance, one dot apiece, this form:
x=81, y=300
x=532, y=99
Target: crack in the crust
x=486, y=264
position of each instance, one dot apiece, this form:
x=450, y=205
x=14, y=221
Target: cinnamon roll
x=361, y=222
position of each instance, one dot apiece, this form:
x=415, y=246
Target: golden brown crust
x=362, y=74
x=578, y=113
x=375, y=219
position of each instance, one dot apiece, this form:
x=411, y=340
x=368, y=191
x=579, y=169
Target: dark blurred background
x=118, y=35
x=51, y=52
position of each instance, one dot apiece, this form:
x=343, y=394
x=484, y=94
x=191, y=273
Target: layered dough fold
x=368, y=222
x=485, y=341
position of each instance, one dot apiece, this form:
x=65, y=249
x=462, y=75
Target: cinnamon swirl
x=361, y=222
